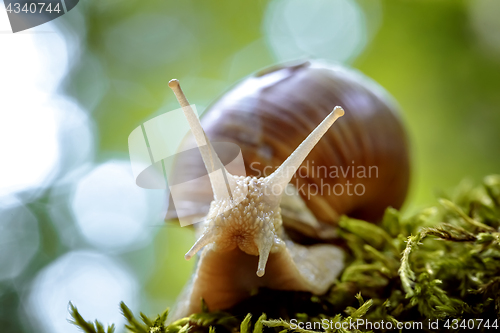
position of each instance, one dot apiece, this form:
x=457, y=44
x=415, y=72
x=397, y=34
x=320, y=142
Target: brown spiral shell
x=270, y=114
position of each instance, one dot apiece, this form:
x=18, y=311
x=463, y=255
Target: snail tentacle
x=221, y=181
x=282, y=176
x=206, y=238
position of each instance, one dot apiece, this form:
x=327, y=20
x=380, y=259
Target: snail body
x=278, y=118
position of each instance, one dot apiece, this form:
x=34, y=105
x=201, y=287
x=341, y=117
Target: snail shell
x=268, y=116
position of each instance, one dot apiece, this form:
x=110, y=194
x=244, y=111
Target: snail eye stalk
x=221, y=181
x=283, y=175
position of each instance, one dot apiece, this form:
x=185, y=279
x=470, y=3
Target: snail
x=263, y=229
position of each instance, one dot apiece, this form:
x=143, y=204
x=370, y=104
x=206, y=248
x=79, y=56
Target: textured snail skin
x=251, y=237
x=268, y=116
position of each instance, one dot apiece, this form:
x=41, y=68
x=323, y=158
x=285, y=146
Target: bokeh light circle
x=94, y=283
x=19, y=239
x=112, y=212
x=32, y=66
x=485, y=21
x=333, y=30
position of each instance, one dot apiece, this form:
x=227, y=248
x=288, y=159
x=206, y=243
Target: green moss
x=441, y=263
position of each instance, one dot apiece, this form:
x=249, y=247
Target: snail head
x=245, y=212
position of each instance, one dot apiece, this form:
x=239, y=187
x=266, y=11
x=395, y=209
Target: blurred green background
x=440, y=59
